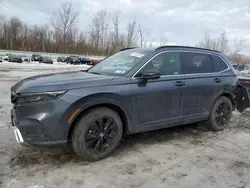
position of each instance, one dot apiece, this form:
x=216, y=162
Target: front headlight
x=37, y=97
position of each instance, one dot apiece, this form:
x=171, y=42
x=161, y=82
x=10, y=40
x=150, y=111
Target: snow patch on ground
x=184, y=156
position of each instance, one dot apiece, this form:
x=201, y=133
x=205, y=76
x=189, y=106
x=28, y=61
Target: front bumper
x=40, y=124
x=38, y=144
x=18, y=135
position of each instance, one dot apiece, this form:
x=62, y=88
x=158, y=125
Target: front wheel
x=97, y=134
x=221, y=114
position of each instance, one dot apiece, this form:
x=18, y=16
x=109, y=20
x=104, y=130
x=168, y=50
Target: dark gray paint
x=152, y=105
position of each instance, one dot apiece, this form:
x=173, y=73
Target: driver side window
x=167, y=63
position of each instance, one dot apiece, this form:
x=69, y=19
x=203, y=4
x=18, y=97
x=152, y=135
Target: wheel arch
x=227, y=94
x=108, y=103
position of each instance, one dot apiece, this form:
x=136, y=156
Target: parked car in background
x=26, y=58
x=74, y=60
x=61, y=59
x=85, y=60
x=15, y=58
x=245, y=81
x=93, y=109
x=35, y=57
x=240, y=67
x=93, y=62
x=5, y=57
x=45, y=59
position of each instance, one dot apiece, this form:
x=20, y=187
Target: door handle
x=179, y=83
x=217, y=80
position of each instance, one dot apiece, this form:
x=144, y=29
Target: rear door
x=202, y=84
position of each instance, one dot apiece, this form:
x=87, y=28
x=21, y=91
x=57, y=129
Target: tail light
x=245, y=81
x=95, y=62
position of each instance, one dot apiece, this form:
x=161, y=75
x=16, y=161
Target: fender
x=94, y=100
x=223, y=92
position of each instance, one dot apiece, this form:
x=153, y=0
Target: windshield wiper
x=94, y=73
x=90, y=72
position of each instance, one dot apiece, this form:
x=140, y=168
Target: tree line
x=221, y=43
x=103, y=36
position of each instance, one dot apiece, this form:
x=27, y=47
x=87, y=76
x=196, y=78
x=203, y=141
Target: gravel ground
x=185, y=156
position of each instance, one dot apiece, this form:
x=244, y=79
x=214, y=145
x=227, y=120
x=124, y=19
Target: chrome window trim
x=211, y=73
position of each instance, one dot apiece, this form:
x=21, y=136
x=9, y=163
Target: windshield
x=47, y=58
x=15, y=56
x=120, y=63
x=74, y=57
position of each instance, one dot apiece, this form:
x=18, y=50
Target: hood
x=60, y=81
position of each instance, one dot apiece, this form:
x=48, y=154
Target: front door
x=157, y=103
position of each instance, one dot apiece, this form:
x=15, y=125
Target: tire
x=85, y=133
x=217, y=115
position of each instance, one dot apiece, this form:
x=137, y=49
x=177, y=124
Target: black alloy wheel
x=101, y=135
x=97, y=133
x=222, y=114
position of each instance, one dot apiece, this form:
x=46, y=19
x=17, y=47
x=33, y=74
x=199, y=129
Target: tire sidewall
x=219, y=101
x=83, y=126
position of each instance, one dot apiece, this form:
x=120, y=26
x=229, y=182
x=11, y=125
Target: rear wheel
x=97, y=134
x=221, y=114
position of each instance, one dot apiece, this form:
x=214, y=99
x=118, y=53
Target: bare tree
x=220, y=43
x=239, y=44
x=131, y=29
x=151, y=42
x=116, y=25
x=99, y=29
x=223, y=42
x=63, y=20
x=163, y=40
x=142, y=36
x=207, y=41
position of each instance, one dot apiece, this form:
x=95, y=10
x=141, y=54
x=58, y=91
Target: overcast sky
x=180, y=21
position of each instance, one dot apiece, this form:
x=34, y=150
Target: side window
x=193, y=63
x=219, y=64
x=167, y=63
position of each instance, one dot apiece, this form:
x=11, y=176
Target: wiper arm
x=94, y=73
x=90, y=72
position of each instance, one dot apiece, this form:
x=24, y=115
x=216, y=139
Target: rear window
x=219, y=64
x=193, y=63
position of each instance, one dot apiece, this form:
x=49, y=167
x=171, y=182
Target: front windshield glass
x=74, y=57
x=120, y=63
x=47, y=58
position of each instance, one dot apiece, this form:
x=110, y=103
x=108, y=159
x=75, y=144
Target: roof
x=166, y=47
x=189, y=47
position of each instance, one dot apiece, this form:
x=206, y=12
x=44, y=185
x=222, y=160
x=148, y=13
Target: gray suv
x=132, y=91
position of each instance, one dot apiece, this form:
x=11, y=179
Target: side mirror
x=150, y=75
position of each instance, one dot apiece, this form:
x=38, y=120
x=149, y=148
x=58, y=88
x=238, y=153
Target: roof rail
x=127, y=48
x=186, y=47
